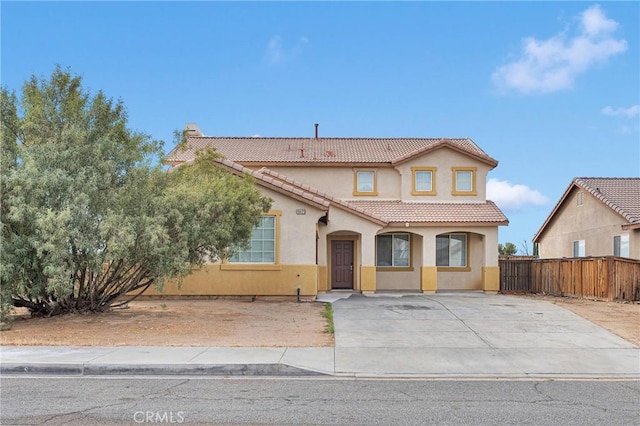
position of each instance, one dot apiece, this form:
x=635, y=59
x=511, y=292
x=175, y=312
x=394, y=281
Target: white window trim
x=266, y=266
x=623, y=242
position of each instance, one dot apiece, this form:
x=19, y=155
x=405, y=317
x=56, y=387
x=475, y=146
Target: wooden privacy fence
x=608, y=277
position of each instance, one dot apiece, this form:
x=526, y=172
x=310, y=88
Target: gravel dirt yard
x=214, y=322
x=621, y=318
x=241, y=322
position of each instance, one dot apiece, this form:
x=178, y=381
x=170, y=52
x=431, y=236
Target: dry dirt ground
x=241, y=322
x=621, y=318
x=218, y=322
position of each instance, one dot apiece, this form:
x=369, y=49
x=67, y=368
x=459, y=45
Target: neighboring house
x=594, y=217
x=361, y=214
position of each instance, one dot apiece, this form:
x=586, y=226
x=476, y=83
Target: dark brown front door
x=342, y=264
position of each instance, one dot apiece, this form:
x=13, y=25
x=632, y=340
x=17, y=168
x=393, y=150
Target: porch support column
x=324, y=284
x=429, y=270
x=491, y=268
x=428, y=279
x=368, y=279
x=368, y=267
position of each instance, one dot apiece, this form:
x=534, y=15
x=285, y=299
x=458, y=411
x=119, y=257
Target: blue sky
x=549, y=89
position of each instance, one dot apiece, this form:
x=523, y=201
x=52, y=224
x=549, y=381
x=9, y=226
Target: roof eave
x=487, y=160
x=631, y=226
x=376, y=220
x=448, y=223
x=311, y=162
x=277, y=188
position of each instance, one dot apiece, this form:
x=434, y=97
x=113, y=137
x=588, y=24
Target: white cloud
x=276, y=53
x=631, y=112
x=553, y=64
x=595, y=23
x=513, y=197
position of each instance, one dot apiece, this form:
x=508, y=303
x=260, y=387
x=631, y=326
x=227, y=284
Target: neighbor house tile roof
x=622, y=195
x=322, y=151
x=400, y=212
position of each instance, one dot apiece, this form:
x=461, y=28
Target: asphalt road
x=105, y=400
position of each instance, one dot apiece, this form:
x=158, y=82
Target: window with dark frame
x=393, y=250
x=451, y=250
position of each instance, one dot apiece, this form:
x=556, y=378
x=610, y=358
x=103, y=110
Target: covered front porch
x=416, y=259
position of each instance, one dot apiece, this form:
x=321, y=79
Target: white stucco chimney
x=192, y=129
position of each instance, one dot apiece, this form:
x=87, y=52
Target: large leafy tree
x=89, y=218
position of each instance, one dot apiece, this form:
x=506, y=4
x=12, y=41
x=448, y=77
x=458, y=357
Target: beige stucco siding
x=339, y=181
x=634, y=243
x=593, y=222
x=297, y=230
x=402, y=279
x=444, y=160
x=451, y=279
x=296, y=268
x=483, y=253
x=396, y=182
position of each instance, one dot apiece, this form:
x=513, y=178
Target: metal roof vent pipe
x=316, y=130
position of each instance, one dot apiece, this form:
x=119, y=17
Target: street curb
x=265, y=370
x=44, y=369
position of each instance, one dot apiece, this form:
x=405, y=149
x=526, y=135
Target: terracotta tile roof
x=622, y=195
x=322, y=151
x=401, y=212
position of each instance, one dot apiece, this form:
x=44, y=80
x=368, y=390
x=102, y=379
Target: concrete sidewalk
x=153, y=360
x=469, y=335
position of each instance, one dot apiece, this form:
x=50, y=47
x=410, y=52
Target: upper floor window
x=393, y=250
x=580, y=198
x=464, y=180
x=451, y=250
x=262, y=245
x=578, y=248
x=424, y=181
x=621, y=245
x=365, y=182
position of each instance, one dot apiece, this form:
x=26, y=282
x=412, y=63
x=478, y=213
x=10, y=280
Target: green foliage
x=508, y=249
x=328, y=315
x=89, y=218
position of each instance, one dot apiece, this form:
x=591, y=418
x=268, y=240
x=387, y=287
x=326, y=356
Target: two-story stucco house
x=594, y=217
x=361, y=214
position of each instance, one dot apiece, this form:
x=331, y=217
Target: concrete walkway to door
x=472, y=335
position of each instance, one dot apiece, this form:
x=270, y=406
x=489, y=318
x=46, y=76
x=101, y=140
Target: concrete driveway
x=473, y=335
